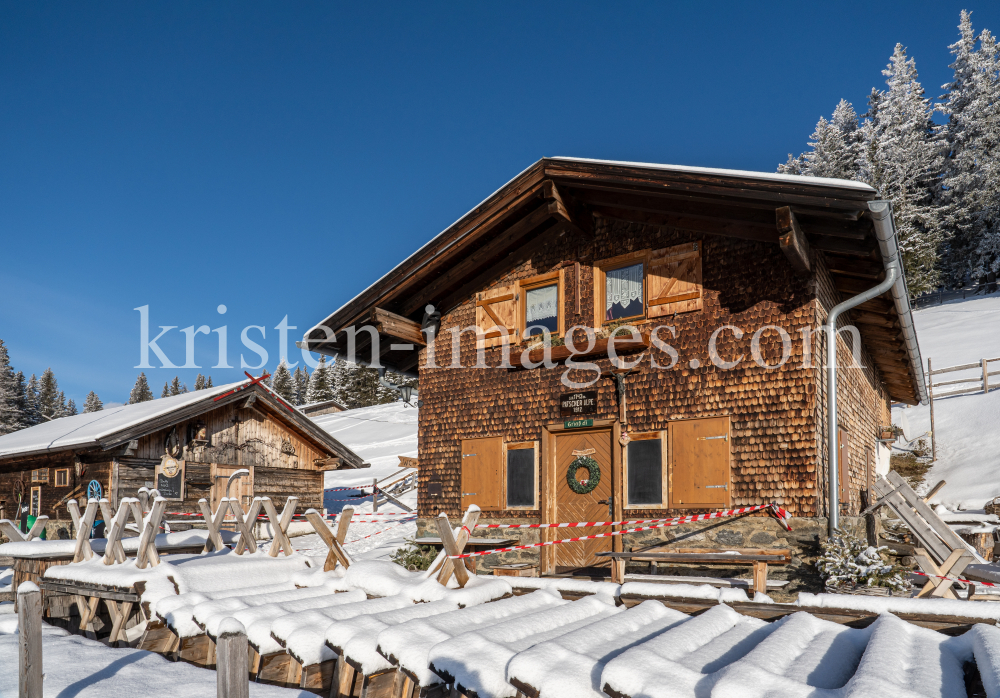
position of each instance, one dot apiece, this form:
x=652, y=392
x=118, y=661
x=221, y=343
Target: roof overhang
x=561, y=196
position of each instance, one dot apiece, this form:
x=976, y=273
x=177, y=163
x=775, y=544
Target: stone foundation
x=748, y=532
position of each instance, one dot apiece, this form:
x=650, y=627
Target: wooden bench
x=757, y=558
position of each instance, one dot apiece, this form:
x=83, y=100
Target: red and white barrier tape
x=775, y=510
x=387, y=528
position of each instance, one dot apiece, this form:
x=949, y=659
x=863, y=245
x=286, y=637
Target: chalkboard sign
x=170, y=478
x=575, y=404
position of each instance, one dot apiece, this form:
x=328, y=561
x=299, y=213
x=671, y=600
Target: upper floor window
x=541, y=302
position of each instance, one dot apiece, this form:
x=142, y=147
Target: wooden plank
x=951, y=369
x=942, y=529
x=451, y=547
x=346, y=514
x=29, y=642
x=792, y=240
x=920, y=528
x=719, y=582
x=397, y=326
x=232, y=661
x=701, y=559
x=336, y=552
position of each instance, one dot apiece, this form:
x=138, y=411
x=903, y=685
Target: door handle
x=715, y=487
x=469, y=494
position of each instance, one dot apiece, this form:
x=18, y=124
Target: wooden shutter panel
x=481, y=472
x=494, y=309
x=700, y=463
x=673, y=280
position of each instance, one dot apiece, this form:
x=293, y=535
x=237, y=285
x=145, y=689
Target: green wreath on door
x=593, y=479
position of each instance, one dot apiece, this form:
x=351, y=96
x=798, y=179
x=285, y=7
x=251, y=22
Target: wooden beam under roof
x=792, y=240
x=397, y=326
x=854, y=267
x=745, y=231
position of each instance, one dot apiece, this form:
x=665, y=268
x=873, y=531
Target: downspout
x=892, y=276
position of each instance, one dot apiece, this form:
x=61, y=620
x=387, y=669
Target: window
x=62, y=477
x=40, y=475
x=542, y=305
x=645, y=465
x=648, y=284
x=700, y=463
x=481, y=479
x=35, y=503
x=521, y=476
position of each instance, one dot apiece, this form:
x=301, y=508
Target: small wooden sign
x=170, y=478
x=575, y=404
x=408, y=462
x=585, y=452
x=578, y=423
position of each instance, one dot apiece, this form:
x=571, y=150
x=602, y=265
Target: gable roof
x=115, y=426
x=556, y=196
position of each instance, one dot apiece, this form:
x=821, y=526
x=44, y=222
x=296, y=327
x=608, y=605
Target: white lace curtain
x=624, y=285
x=542, y=303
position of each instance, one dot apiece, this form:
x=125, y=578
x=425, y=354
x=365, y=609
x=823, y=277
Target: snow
x=573, y=586
x=960, y=332
x=207, y=572
x=985, y=642
x=477, y=660
x=570, y=666
x=899, y=604
x=82, y=668
x=378, y=434
x=90, y=427
x=410, y=643
x=688, y=591
x=164, y=541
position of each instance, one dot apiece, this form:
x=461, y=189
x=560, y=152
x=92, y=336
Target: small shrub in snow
x=848, y=562
x=414, y=557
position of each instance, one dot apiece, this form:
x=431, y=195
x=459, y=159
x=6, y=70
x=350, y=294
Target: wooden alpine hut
x=186, y=446
x=650, y=343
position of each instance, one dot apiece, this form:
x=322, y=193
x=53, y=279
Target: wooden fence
x=982, y=378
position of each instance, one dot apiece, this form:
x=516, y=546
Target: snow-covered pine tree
x=836, y=147
x=175, y=386
x=22, y=401
x=71, y=408
x=301, y=380
x=32, y=408
x=11, y=396
x=282, y=383
x=339, y=379
x=321, y=384
x=208, y=382
x=92, y=403
x=63, y=406
x=901, y=159
x=166, y=389
x=972, y=163
x=199, y=382
x=140, y=391
x=48, y=396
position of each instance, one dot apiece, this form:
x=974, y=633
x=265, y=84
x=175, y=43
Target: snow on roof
x=89, y=428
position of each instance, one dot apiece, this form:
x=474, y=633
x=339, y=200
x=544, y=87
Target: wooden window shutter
x=673, y=280
x=497, y=308
x=700, y=463
x=482, y=466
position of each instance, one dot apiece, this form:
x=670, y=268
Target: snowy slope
x=968, y=438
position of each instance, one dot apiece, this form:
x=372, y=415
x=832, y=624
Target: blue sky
x=279, y=157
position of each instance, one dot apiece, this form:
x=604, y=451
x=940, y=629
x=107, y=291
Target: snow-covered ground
x=968, y=438
x=378, y=434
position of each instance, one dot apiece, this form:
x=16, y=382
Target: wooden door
x=482, y=483
x=571, y=506
x=242, y=487
x=699, y=463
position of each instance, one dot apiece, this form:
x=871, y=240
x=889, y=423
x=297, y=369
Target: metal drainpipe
x=891, y=275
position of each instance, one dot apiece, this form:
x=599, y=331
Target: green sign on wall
x=578, y=423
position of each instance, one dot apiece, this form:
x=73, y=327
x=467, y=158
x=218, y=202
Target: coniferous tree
x=282, y=383
x=32, y=408
x=63, y=409
x=972, y=165
x=321, y=384
x=901, y=159
x=175, y=386
x=199, y=382
x=48, y=396
x=11, y=396
x=93, y=403
x=70, y=408
x=166, y=389
x=22, y=399
x=836, y=147
x=208, y=383
x=140, y=391
x=301, y=380
x=340, y=377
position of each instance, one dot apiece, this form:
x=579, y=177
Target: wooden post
x=760, y=577
x=986, y=379
x=375, y=495
x=232, y=666
x=29, y=643
x=930, y=396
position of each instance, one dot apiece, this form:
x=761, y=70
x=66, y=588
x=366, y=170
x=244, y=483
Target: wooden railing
x=982, y=378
